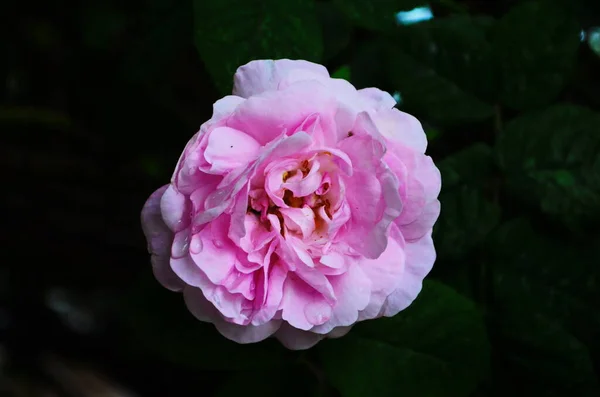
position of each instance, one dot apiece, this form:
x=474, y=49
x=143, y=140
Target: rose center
x=301, y=194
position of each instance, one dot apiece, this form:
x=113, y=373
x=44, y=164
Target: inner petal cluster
x=303, y=194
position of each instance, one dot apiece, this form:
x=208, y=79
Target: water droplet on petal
x=181, y=243
x=252, y=286
x=196, y=244
x=218, y=243
x=317, y=312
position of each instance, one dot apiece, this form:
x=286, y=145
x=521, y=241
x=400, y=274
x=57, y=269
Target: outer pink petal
x=267, y=116
x=377, y=99
x=338, y=332
x=159, y=239
x=248, y=333
x=205, y=311
x=295, y=339
x=298, y=297
x=401, y=128
x=230, y=305
x=353, y=290
x=420, y=256
x=225, y=106
x=385, y=274
x=259, y=76
x=175, y=208
x=424, y=224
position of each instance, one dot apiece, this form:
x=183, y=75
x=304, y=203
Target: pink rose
x=301, y=207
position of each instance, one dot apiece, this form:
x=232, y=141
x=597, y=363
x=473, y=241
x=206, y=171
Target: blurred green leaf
x=466, y=219
x=545, y=293
x=443, y=68
x=535, y=45
x=436, y=347
x=258, y=29
x=376, y=14
x=160, y=323
x=342, y=73
x=594, y=40
x=472, y=166
x=552, y=158
x=368, y=64
x=336, y=28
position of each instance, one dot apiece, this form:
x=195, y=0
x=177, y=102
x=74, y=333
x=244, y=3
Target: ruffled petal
x=259, y=76
x=295, y=339
x=420, y=256
x=159, y=239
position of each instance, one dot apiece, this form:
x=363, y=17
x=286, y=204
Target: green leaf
x=552, y=158
x=376, y=14
x=366, y=64
x=545, y=293
x=342, y=73
x=336, y=29
x=542, y=358
x=443, y=69
x=229, y=34
x=594, y=40
x=466, y=219
x=436, y=347
x=472, y=166
x=535, y=45
x=159, y=323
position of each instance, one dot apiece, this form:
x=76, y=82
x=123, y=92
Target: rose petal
x=266, y=116
x=225, y=106
x=159, y=239
x=402, y=128
x=229, y=148
x=205, y=311
x=353, y=290
x=256, y=77
x=377, y=99
x=385, y=274
x=299, y=220
x=420, y=256
x=417, y=229
x=295, y=339
x=297, y=294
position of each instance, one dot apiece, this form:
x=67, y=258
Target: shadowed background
x=98, y=98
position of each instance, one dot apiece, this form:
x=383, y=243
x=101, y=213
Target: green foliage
x=507, y=92
x=443, y=68
x=467, y=219
x=262, y=29
x=535, y=46
x=472, y=166
x=336, y=29
x=544, y=319
x=436, y=347
x=552, y=158
x=376, y=14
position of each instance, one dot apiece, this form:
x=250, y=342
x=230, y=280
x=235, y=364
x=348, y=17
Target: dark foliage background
x=98, y=98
